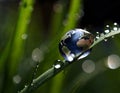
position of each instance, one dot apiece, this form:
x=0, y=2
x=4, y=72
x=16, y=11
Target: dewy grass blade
x=53, y=71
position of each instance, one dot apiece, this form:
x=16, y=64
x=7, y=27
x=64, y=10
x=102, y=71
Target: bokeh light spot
x=113, y=61
x=88, y=66
x=37, y=55
x=17, y=79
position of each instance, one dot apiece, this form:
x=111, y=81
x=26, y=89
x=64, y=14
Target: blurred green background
x=29, y=35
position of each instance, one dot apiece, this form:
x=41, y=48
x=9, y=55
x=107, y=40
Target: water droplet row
x=107, y=30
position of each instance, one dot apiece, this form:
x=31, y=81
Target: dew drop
x=107, y=31
x=97, y=37
x=115, y=28
x=97, y=32
x=25, y=86
x=115, y=23
x=105, y=40
x=31, y=84
x=102, y=35
x=73, y=45
x=37, y=66
x=107, y=26
x=58, y=64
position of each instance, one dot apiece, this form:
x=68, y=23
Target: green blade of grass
x=26, y=8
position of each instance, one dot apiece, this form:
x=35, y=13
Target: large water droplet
x=74, y=43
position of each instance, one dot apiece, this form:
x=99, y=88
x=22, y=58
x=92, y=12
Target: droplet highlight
x=107, y=31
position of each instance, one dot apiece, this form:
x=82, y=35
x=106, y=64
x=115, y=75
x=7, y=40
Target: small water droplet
x=115, y=23
x=107, y=31
x=58, y=64
x=97, y=32
x=115, y=28
x=37, y=66
x=25, y=86
x=107, y=26
x=31, y=84
x=101, y=35
x=105, y=40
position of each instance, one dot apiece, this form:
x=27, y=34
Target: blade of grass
x=26, y=8
x=52, y=71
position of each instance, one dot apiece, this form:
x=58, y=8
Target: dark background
x=96, y=13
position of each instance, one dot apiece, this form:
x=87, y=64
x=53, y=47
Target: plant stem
x=53, y=71
x=25, y=12
x=44, y=77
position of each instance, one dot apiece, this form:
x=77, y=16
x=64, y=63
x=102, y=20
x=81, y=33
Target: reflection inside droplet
x=107, y=26
x=74, y=42
x=88, y=66
x=113, y=61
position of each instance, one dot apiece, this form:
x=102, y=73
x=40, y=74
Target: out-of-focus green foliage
x=26, y=39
